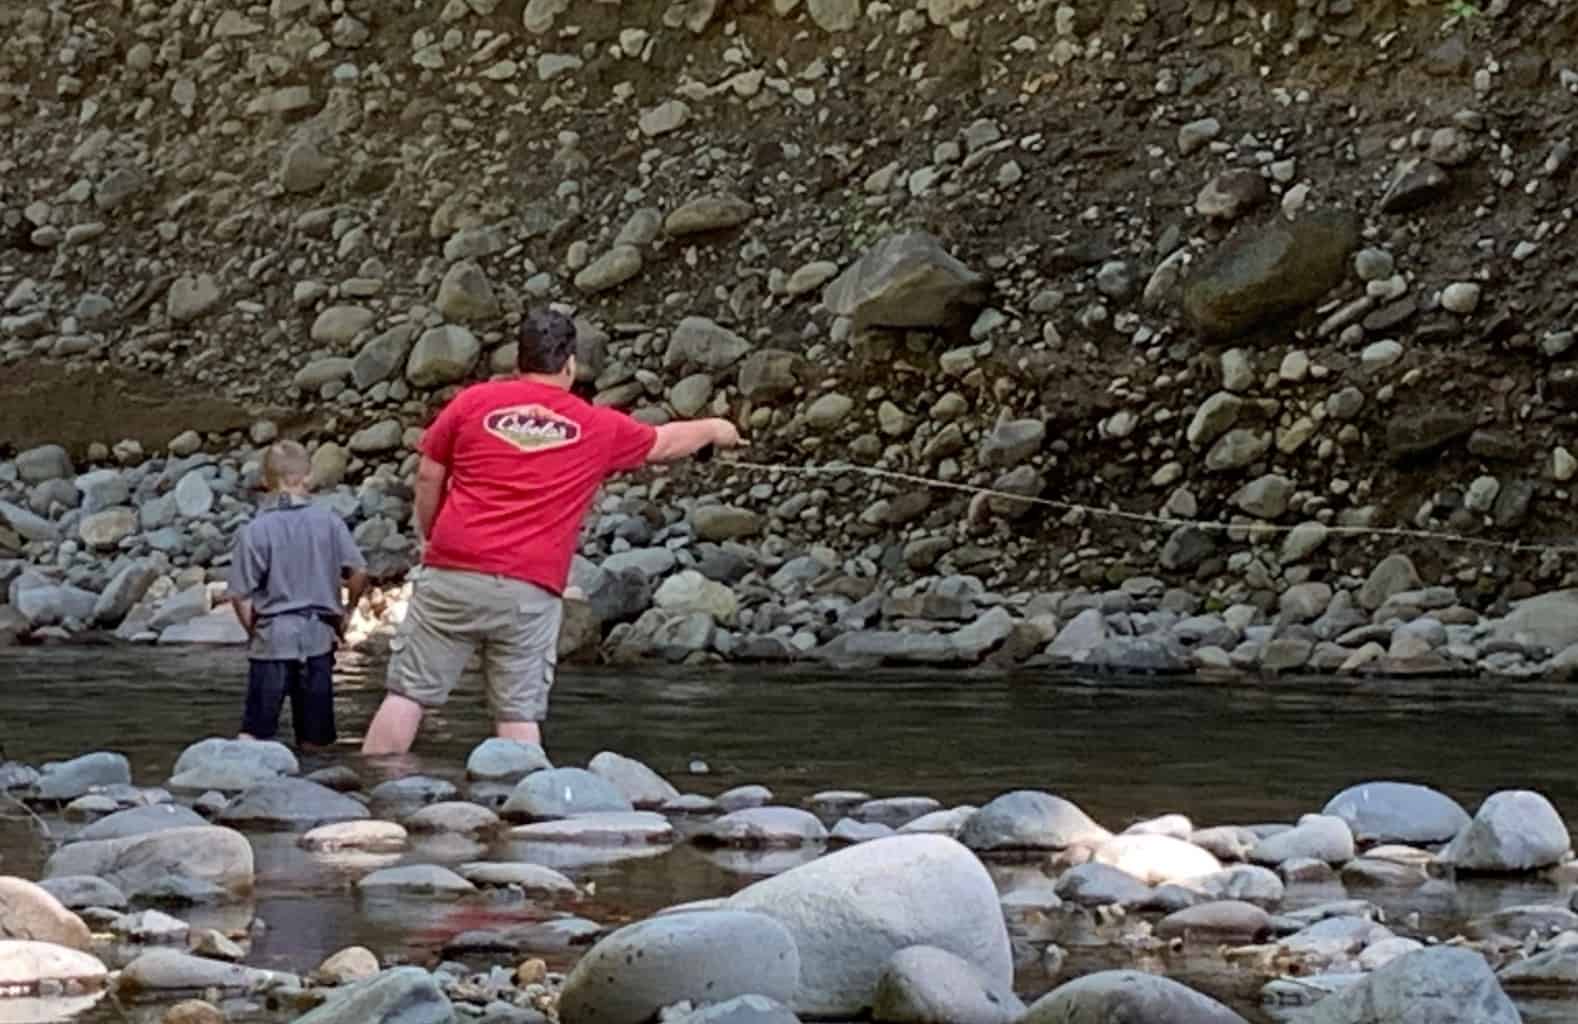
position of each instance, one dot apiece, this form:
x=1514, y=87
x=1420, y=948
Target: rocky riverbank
x=1297, y=266
x=899, y=907
x=130, y=549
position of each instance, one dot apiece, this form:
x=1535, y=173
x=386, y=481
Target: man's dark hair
x=547, y=341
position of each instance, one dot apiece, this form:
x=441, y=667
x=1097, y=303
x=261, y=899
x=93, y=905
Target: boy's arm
x=246, y=615
x=355, y=586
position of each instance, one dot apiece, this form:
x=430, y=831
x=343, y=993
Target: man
x=284, y=585
x=508, y=471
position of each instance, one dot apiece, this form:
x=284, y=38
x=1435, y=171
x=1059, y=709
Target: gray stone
x=533, y=879
x=304, y=167
x=42, y=463
x=1012, y=442
x=292, y=804
x=764, y=827
x=453, y=816
x=501, y=760
x=165, y=970
x=719, y=523
x=29, y=913
x=144, y=864
x=850, y=911
x=1393, y=575
x=695, y=957
x=123, y=592
x=1127, y=996
x=834, y=16
x=139, y=821
x=25, y=965
x=442, y=355
x=1100, y=885
x=562, y=793
x=599, y=828
x=427, y=881
x=67, y=780
x=465, y=295
x=1266, y=272
x=230, y=766
x=1549, y=621
x=339, y=325
x=642, y=786
x=742, y=1010
x=383, y=436
x=1030, y=820
x=1317, y=837
x=770, y=374
x=906, y=280
x=190, y=297
x=323, y=371
x=400, y=798
x=81, y=892
x=1226, y=921
x=27, y=525
x=708, y=213
x=1513, y=831
x=1398, y=812
x=610, y=270
x=698, y=343
x=402, y=995
x=1442, y=985
x=925, y=985
x=104, y=530
x=383, y=356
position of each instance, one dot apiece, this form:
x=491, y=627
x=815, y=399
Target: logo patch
x=532, y=428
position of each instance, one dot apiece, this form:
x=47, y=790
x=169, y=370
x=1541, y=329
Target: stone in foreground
x=924, y=985
x=25, y=964
x=849, y=912
x=30, y=913
x=697, y=957
x=1442, y=985
x=404, y=995
x=1128, y=996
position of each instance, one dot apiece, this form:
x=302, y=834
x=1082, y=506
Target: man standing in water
x=509, y=469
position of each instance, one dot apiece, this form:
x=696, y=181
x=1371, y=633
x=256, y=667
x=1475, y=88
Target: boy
x=285, y=588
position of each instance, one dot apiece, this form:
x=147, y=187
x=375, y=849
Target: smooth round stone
x=401, y=798
x=1099, y=885
x=744, y=797
x=690, y=803
x=836, y=803
x=79, y=892
x=416, y=880
x=533, y=878
x=1222, y=921
x=613, y=828
x=848, y=830
x=1155, y=859
x=895, y=811
x=371, y=836
x=501, y=760
x=453, y=816
x=764, y=826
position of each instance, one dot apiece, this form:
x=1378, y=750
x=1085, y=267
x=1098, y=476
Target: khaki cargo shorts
x=512, y=624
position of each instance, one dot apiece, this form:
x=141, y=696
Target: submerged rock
x=695, y=957
x=415, y=880
x=162, y=970
x=230, y=766
x=147, y=864
x=1128, y=996
x=563, y=793
x=291, y=804
x=140, y=821
x=611, y=828
x=850, y=911
x=1442, y=985
x=402, y=995
x=925, y=985
x=764, y=826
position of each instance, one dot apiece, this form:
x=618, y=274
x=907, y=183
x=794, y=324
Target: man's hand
x=726, y=435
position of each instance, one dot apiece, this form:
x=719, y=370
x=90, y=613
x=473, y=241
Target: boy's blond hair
x=286, y=464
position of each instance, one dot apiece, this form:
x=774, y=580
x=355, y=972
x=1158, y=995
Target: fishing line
x=840, y=468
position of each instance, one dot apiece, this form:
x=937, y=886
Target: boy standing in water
x=285, y=588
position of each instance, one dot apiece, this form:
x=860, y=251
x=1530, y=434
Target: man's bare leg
x=524, y=732
x=394, y=727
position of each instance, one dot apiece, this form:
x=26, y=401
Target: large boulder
x=1030, y=820
x=693, y=956
x=925, y=985
x=642, y=786
x=562, y=793
x=1441, y=985
x=500, y=760
x=849, y=912
x=403, y=995
x=25, y=965
x=1397, y=812
x=65, y=781
x=231, y=766
x=294, y=804
x=1514, y=830
x=1128, y=996
x=30, y=913
x=1269, y=271
x=1549, y=621
x=906, y=280
x=147, y=863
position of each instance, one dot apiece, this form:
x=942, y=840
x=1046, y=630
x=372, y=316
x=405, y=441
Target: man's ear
x=571, y=368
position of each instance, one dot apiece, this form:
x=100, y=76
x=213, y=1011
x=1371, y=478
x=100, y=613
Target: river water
x=1124, y=751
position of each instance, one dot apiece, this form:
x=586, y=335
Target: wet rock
x=906, y=280
x=231, y=766
x=425, y=881
x=1553, y=970
x=1397, y=812
x=1514, y=830
x=563, y=793
x=287, y=803
x=533, y=879
x=1515, y=924
x=145, y=864
x=849, y=830
x=1128, y=995
x=612, y=828
x=1549, y=621
x=895, y=811
x=453, y=817
x=687, y=957
x=368, y=836
x=743, y=1010
x=1155, y=859
x=1030, y=820
x=764, y=827
x=1227, y=921
x=139, y=821
x=27, y=964
x=501, y=760
x=850, y=911
x=1245, y=883
x=353, y=964
x=1317, y=837
x=560, y=935
x=1444, y=985
x=29, y=913
x=1100, y=885
x=402, y=995
x=403, y=797
x=925, y=985
x=166, y=970
x=1269, y=271
x=151, y=927
x=65, y=781
x=80, y=892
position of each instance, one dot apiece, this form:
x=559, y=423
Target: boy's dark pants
x=309, y=683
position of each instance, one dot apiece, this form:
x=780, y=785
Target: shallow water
x=1124, y=751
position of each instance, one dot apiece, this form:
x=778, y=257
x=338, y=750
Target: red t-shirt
x=525, y=460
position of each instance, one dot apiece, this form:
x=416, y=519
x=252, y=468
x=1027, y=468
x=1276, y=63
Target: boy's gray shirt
x=287, y=562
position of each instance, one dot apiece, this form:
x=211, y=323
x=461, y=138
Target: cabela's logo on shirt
x=532, y=428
